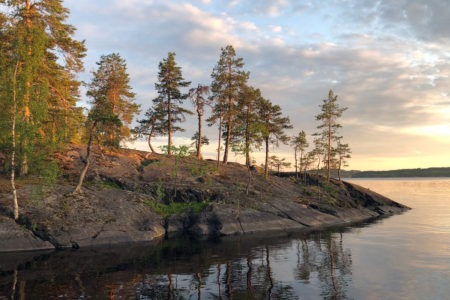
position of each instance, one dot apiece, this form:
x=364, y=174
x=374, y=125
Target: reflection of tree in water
x=325, y=256
x=186, y=270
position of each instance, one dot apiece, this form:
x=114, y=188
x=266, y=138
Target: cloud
x=388, y=64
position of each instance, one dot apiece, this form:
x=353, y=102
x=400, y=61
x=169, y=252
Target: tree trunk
x=220, y=138
x=87, y=161
x=266, y=169
x=269, y=273
x=199, y=146
x=301, y=160
x=13, y=154
x=247, y=143
x=318, y=166
x=227, y=142
x=329, y=149
x=199, y=293
x=230, y=109
x=169, y=114
x=295, y=157
x=150, y=141
x=339, y=170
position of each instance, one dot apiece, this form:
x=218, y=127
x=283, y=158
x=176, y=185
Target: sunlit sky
x=388, y=62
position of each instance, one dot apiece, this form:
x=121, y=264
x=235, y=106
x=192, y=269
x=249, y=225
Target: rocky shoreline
x=133, y=198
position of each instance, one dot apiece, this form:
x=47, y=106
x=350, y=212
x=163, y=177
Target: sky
x=387, y=60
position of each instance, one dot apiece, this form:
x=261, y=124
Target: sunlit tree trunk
x=87, y=160
x=199, y=144
x=169, y=114
x=13, y=154
x=266, y=164
x=220, y=138
x=150, y=141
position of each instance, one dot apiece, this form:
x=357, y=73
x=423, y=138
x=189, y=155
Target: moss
x=176, y=208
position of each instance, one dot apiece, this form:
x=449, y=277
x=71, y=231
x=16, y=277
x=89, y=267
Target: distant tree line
x=39, y=91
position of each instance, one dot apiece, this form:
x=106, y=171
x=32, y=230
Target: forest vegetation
x=40, y=115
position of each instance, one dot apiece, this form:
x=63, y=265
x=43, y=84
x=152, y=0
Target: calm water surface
x=402, y=257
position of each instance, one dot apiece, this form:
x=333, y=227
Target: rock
x=14, y=237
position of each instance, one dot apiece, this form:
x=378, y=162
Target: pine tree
x=246, y=135
x=343, y=154
x=197, y=96
x=217, y=117
x=196, y=139
x=278, y=163
x=151, y=125
x=170, y=98
x=101, y=120
x=330, y=112
x=228, y=79
x=299, y=143
x=111, y=81
x=274, y=125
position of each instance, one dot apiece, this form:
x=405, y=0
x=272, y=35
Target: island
x=133, y=196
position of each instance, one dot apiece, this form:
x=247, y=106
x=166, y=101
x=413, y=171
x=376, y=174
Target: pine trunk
x=220, y=139
x=227, y=142
x=169, y=113
x=266, y=164
x=329, y=151
x=295, y=157
x=247, y=143
x=230, y=110
x=87, y=161
x=301, y=161
x=150, y=141
x=199, y=146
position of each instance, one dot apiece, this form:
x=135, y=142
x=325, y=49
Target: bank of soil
x=132, y=196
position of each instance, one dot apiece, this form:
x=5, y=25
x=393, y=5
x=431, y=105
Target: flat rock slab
x=14, y=237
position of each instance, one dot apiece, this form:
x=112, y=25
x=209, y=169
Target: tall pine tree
x=170, y=98
x=274, y=126
x=228, y=79
x=246, y=135
x=299, y=143
x=329, y=127
x=112, y=82
x=197, y=96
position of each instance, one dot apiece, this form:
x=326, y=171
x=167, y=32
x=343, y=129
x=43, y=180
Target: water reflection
x=232, y=268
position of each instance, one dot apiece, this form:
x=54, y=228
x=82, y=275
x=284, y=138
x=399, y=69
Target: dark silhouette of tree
x=278, y=163
x=197, y=96
x=170, y=98
x=228, y=79
x=195, y=141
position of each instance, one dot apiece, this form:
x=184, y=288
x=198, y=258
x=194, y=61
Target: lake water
x=402, y=257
